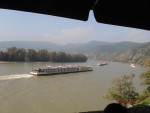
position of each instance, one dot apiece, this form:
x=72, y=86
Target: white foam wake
x=15, y=76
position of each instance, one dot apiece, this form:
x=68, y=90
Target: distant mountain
x=119, y=51
x=30, y=45
x=111, y=51
x=141, y=53
x=84, y=47
x=73, y=48
x=122, y=52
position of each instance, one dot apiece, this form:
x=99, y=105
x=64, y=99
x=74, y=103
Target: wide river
x=21, y=92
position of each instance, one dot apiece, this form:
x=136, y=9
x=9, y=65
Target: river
x=21, y=92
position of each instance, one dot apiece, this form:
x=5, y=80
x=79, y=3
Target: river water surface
x=21, y=92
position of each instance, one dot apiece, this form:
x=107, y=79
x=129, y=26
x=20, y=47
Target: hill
x=119, y=51
x=84, y=47
x=30, y=45
x=36, y=45
x=115, y=51
x=122, y=52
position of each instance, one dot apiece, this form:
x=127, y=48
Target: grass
x=144, y=102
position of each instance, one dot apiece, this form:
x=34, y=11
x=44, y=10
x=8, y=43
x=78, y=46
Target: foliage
x=122, y=52
x=147, y=62
x=145, y=76
x=123, y=91
x=3, y=56
x=31, y=55
x=20, y=54
x=16, y=54
x=43, y=55
x=11, y=53
x=144, y=102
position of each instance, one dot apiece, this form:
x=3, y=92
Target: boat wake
x=15, y=76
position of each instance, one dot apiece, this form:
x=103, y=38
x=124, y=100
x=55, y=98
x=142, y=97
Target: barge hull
x=47, y=74
x=59, y=70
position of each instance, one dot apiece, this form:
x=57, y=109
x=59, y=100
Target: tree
x=145, y=76
x=20, y=54
x=53, y=56
x=31, y=55
x=1, y=55
x=43, y=55
x=12, y=53
x=76, y=58
x=61, y=57
x=147, y=62
x=123, y=91
x=81, y=58
x=6, y=57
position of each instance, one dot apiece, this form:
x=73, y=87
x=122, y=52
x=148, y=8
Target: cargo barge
x=60, y=70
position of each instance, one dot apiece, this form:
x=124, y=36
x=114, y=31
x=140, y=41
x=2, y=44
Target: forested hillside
x=113, y=51
x=123, y=52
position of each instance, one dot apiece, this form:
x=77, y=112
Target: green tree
x=12, y=53
x=61, y=57
x=147, y=62
x=77, y=58
x=31, y=55
x=6, y=57
x=81, y=58
x=20, y=54
x=123, y=91
x=16, y=54
x=145, y=76
x=43, y=55
x=3, y=56
x=53, y=56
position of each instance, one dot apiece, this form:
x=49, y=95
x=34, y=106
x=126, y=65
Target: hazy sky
x=25, y=26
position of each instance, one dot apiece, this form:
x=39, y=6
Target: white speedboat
x=132, y=65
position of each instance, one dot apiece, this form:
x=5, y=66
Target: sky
x=25, y=26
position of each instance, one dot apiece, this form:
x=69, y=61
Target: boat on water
x=132, y=65
x=60, y=70
x=102, y=64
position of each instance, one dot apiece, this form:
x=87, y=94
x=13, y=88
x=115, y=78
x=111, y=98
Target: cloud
x=73, y=35
x=47, y=35
x=79, y=31
x=51, y=37
x=134, y=35
x=137, y=36
x=87, y=33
